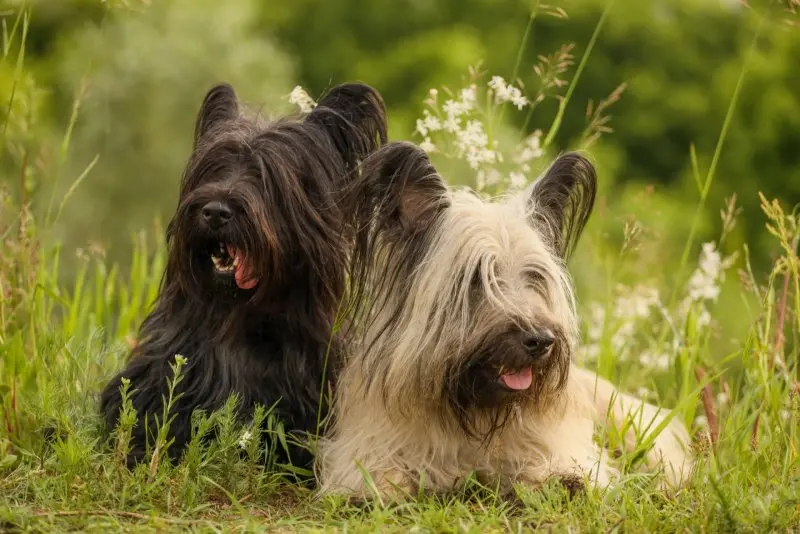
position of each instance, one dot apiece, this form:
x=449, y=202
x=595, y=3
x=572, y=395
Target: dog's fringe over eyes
x=463, y=332
x=256, y=265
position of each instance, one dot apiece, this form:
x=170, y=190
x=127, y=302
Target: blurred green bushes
x=142, y=69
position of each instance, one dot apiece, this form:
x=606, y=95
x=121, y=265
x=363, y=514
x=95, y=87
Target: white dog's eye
x=477, y=279
x=535, y=278
x=480, y=274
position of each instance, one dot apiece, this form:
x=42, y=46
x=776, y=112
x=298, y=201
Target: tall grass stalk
x=706, y=184
x=562, y=105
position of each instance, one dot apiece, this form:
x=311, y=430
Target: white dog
x=468, y=330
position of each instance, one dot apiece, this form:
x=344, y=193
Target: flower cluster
x=462, y=130
x=244, y=439
x=470, y=139
x=529, y=150
x=507, y=93
x=617, y=327
x=704, y=284
x=301, y=99
x=631, y=307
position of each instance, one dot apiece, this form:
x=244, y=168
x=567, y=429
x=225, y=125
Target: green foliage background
x=145, y=68
x=131, y=73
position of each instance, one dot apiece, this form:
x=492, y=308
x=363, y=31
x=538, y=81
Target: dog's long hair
x=445, y=283
x=464, y=331
x=256, y=266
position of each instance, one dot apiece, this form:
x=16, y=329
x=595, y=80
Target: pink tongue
x=244, y=276
x=520, y=380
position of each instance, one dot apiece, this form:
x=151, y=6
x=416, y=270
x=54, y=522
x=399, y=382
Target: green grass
x=58, y=346
x=60, y=343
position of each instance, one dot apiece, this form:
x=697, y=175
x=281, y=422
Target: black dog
x=256, y=268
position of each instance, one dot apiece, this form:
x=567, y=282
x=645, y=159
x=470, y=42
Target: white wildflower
x=661, y=362
x=701, y=421
x=244, y=440
x=506, y=92
x=518, y=180
x=710, y=260
x=452, y=124
x=473, y=134
x=703, y=319
x=519, y=99
x=432, y=123
x=705, y=280
x=472, y=143
x=497, y=84
x=622, y=336
x=427, y=145
x=432, y=96
x=301, y=99
x=428, y=123
x=785, y=414
x=530, y=149
x=462, y=106
x=703, y=286
x=597, y=322
x=468, y=96
x=493, y=177
x=643, y=392
x=591, y=352
x=654, y=360
x=722, y=398
x=636, y=304
x=454, y=108
x=480, y=180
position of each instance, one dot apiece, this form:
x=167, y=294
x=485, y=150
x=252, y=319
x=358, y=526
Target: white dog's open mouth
x=517, y=380
x=229, y=260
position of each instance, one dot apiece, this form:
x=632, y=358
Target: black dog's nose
x=217, y=213
x=537, y=345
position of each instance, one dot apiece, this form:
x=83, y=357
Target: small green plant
x=162, y=437
x=61, y=341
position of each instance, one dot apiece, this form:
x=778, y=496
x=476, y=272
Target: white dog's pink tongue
x=243, y=271
x=519, y=380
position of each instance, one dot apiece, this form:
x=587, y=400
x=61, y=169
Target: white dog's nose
x=538, y=344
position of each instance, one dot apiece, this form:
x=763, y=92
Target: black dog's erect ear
x=399, y=188
x=354, y=116
x=219, y=105
x=562, y=200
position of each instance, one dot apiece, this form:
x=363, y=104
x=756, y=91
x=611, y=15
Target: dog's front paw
x=393, y=486
x=574, y=484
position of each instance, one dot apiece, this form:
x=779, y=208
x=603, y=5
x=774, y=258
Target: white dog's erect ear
x=219, y=105
x=401, y=188
x=562, y=200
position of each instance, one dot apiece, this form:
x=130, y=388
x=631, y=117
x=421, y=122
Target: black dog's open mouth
x=223, y=262
x=229, y=260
